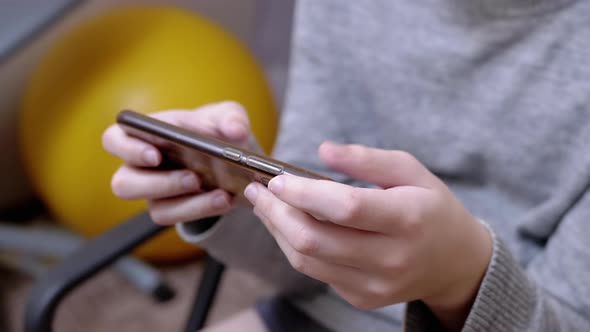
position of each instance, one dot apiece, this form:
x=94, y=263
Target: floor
x=108, y=303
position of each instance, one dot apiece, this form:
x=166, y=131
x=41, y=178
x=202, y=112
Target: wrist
x=453, y=304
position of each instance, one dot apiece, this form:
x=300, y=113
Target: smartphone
x=219, y=164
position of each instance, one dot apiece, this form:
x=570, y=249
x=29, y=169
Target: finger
x=191, y=207
x=373, y=210
x=137, y=183
x=226, y=120
x=385, y=168
x=328, y=272
x=134, y=151
x=326, y=241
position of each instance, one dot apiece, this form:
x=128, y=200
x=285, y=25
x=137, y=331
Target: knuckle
x=298, y=263
x=273, y=209
x=257, y=211
x=262, y=214
x=361, y=302
x=361, y=151
x=305, y=242
x=174, y=184
x=405, y=157
x=403, y=154
x=386, y=291
x=376, y=289
x=264, y=207
x=391, y=263
x=397, y=264
x=158, y=214
x=413, y=222
x=233, y=107
x=119, y=184
x=352, y=207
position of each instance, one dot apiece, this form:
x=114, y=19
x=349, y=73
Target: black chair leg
x=97, y=254
x=205, y=294
x=76, y=269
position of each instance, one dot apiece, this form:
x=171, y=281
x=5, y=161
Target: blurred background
x=48, y=50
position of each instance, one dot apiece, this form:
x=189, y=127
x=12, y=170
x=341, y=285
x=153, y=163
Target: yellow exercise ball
x=141, y=58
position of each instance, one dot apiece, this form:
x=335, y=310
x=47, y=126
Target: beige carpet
x=108, y=303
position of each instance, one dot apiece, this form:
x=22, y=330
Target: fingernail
x=189, y=181
x=150, y=157
x=276, y=185
x=220, y=201
x=251, y=192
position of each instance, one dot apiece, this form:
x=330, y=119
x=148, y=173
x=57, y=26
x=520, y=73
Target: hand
x=175, y=196
x=410, y=240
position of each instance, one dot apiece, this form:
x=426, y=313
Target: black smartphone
x=218, y=163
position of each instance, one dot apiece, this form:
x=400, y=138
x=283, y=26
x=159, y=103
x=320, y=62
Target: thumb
x=385, y=168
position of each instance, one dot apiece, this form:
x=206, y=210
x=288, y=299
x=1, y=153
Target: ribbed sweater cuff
x=503, y=303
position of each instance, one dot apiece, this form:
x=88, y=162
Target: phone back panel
x=218, y=163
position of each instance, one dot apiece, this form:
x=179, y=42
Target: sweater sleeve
x=551, y=294
x=240, y=240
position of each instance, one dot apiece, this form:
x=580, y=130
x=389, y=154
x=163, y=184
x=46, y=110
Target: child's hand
x=175, y=196
x=410, y=240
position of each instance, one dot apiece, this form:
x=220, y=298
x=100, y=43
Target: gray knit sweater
x=493, y=96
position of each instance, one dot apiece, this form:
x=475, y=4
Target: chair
x=99, y=253
x=102, y=251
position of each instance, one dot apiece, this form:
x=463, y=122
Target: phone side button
x=232, y=154
x=264, y=165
